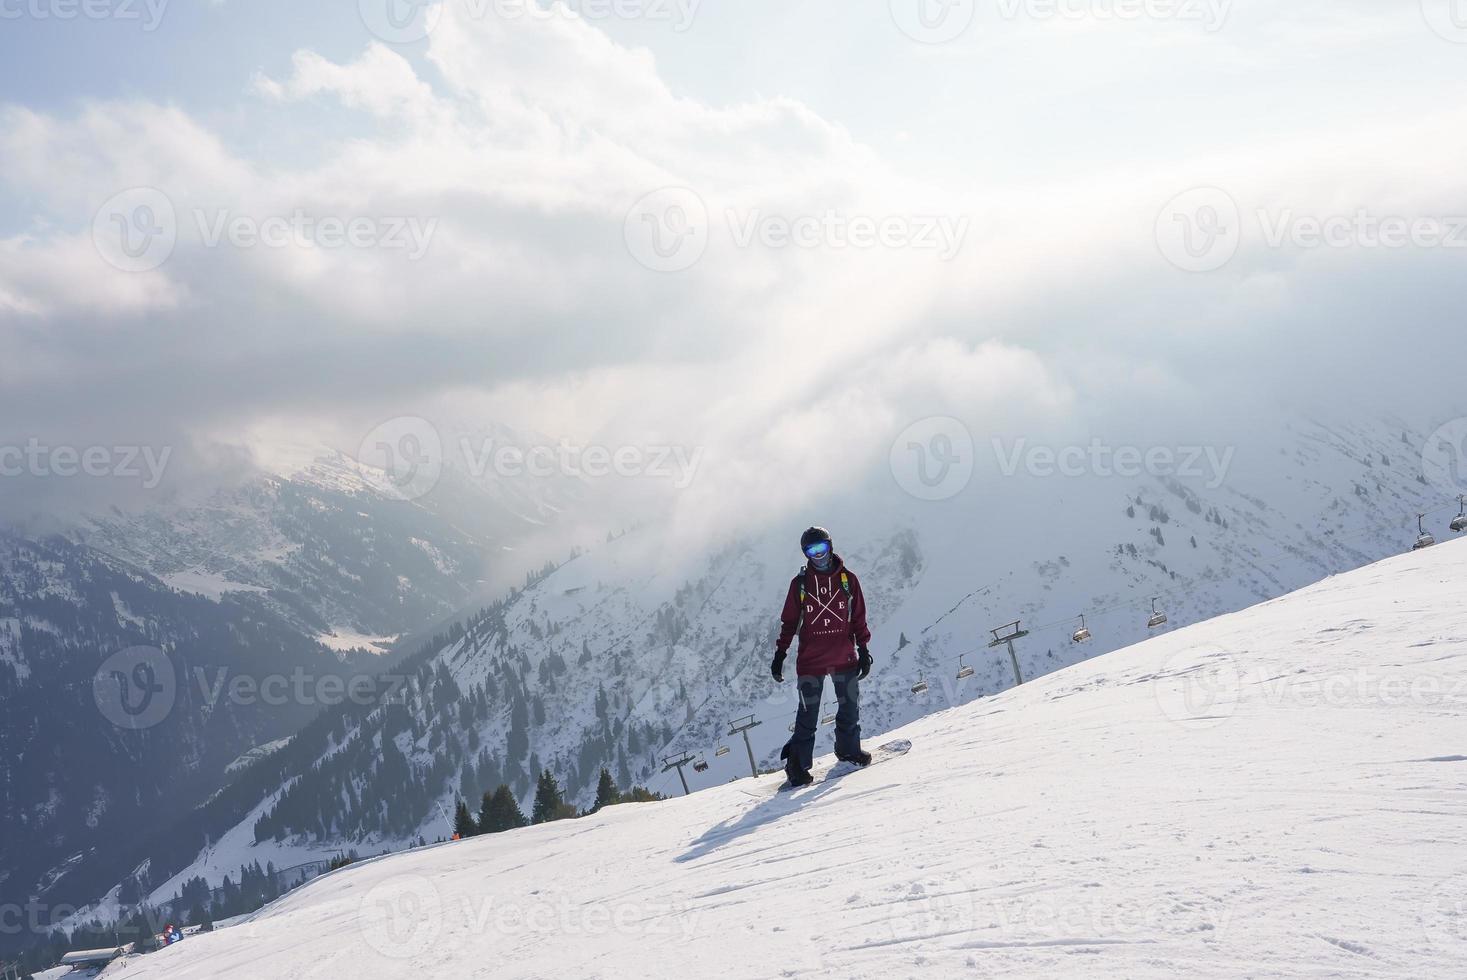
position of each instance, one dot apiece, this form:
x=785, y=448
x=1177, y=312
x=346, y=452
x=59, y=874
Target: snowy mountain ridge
x=1274, y=792
x=330, y=543
x=267, y=577
x=625, y=655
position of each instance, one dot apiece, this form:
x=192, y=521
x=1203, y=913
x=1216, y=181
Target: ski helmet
x=815, y=543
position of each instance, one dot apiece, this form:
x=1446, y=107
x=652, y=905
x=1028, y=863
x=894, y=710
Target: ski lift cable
x=662, y=782
x=978, y=591
x=1165, y=594
x=1149, y=600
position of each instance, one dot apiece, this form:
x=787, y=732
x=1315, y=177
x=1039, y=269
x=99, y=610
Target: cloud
x=39, y=280
x=508, y=159
x=380, y=82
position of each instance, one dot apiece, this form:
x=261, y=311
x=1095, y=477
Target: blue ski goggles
x=818, y=550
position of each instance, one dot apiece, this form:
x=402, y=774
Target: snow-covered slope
x=632, y=650
x=1276, y=792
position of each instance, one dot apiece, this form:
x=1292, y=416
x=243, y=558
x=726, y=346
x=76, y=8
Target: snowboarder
x=825, y=608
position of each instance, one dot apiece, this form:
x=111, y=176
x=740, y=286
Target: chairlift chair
x=1425, y=540
x=722, y=751
x=921, y=686
x=1158, y=618
x=1459, y=523
x=964, y=670
x=828, y=719
x=1082, y=634
x=701, y=765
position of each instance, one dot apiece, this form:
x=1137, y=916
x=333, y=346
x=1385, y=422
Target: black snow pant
x=847, y=717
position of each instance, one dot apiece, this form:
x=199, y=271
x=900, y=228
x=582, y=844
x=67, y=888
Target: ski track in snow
x=1261, y=795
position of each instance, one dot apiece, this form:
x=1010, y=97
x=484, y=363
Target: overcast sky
x=779, y=231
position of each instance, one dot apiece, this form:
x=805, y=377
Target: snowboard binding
x=793, y=771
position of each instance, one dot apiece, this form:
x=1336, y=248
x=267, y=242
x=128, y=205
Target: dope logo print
x=825, y=609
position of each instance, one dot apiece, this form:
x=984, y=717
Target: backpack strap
x=800, y=623
x=845, y=583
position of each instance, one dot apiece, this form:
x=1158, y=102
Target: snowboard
x=827, y=771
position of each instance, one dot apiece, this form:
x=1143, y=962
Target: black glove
x=864, y=662
x=776, y=669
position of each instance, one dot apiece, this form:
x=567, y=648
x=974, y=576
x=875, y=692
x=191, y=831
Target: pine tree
x=519, y=724
x=548, y=803
x=463, y=824
x=606, y=792
x=623, y=769
x=500, y=811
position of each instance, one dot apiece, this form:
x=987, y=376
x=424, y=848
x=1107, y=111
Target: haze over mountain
x=632, y=651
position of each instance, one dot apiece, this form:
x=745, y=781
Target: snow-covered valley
x=1275, y=792
x=626, y=654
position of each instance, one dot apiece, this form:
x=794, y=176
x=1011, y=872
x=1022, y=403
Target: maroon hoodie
x=831, y=623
